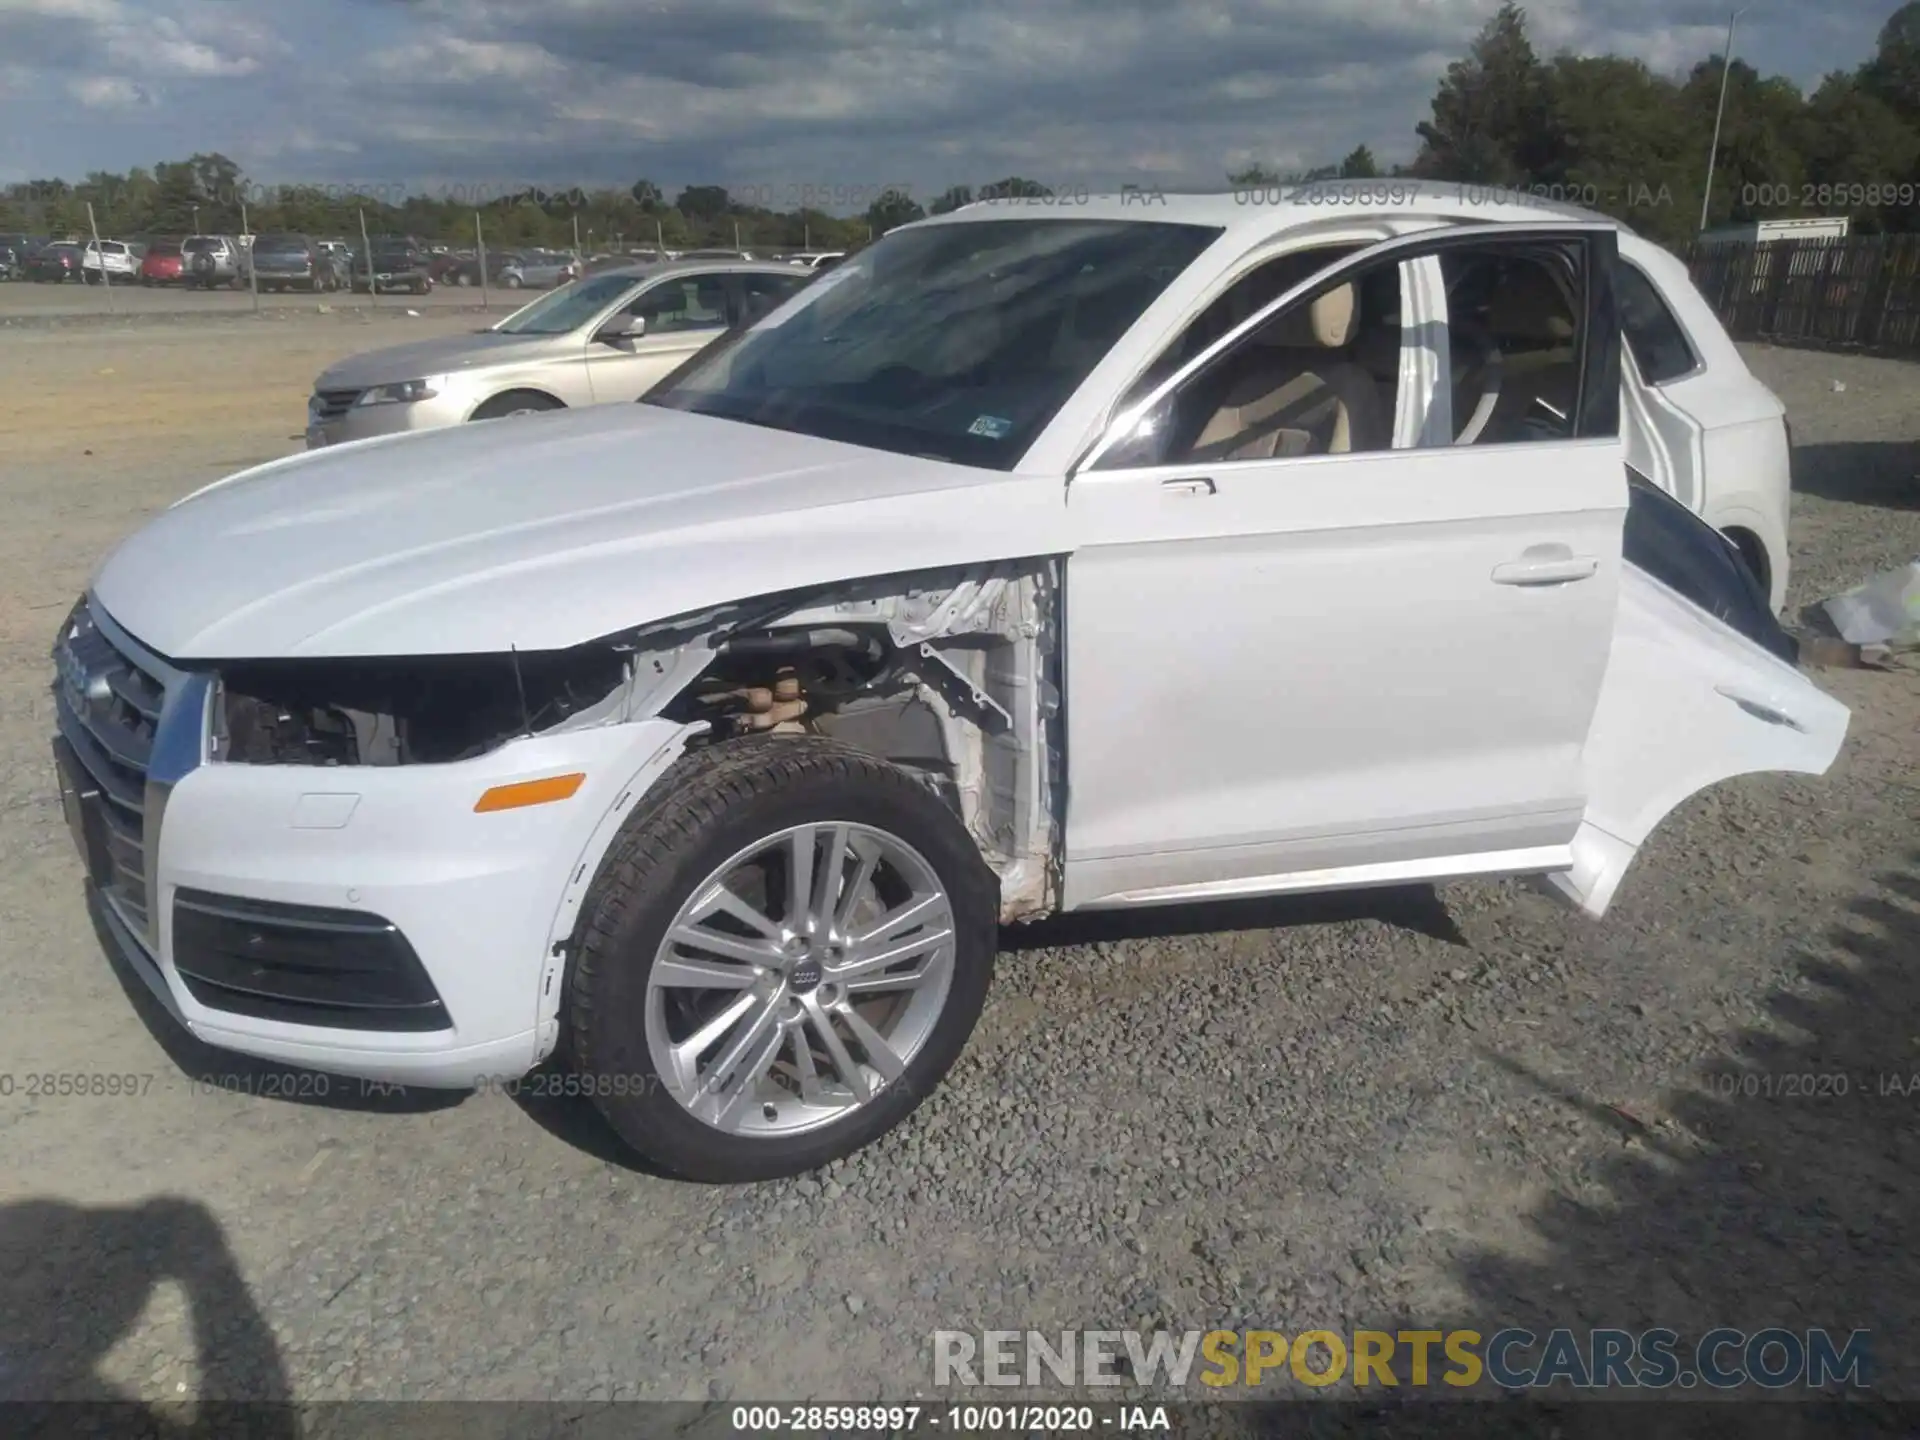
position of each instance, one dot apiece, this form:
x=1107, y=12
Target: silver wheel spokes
x=800, y=979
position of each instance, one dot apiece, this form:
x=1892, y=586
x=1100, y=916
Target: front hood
x=544, y=531
x=419, y=359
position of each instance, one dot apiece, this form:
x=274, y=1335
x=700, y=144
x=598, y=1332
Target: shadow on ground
x=76, y=1279
x=1781, y=1197
x=1884, y=474
x=1417, y=908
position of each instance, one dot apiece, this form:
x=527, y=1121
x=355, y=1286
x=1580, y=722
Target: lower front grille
x=108, y=710
x=332, y=404
x=343, y=969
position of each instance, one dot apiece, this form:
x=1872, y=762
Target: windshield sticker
x=994, y=427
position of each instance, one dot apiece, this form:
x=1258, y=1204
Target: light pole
x=1726, y=69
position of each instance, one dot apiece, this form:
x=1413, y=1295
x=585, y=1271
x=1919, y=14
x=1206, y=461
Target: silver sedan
x=608, y=338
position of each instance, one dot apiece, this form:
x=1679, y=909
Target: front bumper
x=365, y=422
x=480, y=901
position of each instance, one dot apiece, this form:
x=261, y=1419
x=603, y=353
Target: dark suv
x=291, y=262
x=396, y=265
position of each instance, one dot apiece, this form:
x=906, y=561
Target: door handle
x=1558, y=570
x=1200, y=486
x=1758, y=708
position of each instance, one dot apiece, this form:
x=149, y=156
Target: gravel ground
x=1403, y=1107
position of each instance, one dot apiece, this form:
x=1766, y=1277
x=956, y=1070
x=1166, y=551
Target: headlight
x=403, y=711
x=405, y=393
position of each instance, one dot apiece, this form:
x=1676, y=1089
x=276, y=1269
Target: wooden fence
x=1863, y=290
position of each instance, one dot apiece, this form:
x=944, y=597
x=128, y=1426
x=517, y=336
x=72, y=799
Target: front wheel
x=784, y=951
x=515, y=402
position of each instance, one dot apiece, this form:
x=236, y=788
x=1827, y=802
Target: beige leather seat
x=1301, y=396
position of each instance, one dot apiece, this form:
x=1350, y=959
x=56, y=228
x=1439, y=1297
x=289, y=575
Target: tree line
x=1601, y=130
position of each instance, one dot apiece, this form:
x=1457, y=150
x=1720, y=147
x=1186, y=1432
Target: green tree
x=1757, y=135
x=951, y=199
x=1253, y=177
x=1360, y=165
x=1614, y=135
x=1014, y=187
x=893, y=208
x=1489, y=111
x=705, y=203
x=1849, y=135
x=1893, y=74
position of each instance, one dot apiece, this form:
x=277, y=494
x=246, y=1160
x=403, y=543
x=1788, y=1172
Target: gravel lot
x=1410, y=1108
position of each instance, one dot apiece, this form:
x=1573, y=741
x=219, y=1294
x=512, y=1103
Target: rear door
x=1700, y=686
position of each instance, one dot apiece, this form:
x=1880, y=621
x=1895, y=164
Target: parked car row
x=290, y=261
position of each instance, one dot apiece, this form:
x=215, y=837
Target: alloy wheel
x=800, y=979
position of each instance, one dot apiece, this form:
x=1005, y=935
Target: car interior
x=1318, y=379
x=1323, y=378
x=697, y=303
x=1515, y=351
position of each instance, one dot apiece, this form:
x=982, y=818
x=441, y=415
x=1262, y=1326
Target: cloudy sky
x=768, y=95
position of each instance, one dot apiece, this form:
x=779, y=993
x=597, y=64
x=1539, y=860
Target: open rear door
x=1700, y=686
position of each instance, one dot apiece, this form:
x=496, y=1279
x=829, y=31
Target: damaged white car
x=1037, y=559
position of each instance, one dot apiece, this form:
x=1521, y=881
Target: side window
x=762, y=294
x=697, y=302
x=1514, y=342
x=1246, y=295
x=1307, y=382
x=1658, y=344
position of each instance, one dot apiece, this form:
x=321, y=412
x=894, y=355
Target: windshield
x=955, y=341
x=200, y=242
x=164, y=247
x=567, y=308
x=279, y=242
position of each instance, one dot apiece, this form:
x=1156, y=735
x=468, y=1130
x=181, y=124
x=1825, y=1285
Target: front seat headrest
x=1328, y=323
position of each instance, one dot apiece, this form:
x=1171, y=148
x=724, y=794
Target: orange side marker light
x=529, y=792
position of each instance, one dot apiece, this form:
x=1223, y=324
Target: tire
x=515, y=402
x=511, y=282
x=462, y=279
x=704, y=813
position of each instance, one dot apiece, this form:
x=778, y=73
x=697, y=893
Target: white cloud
x=452, y=60
x=107, y=92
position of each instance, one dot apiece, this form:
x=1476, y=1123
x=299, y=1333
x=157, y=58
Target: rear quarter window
x=1653, y=334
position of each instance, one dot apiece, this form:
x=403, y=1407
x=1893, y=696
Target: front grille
x=108, y=710
x=332, y=404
